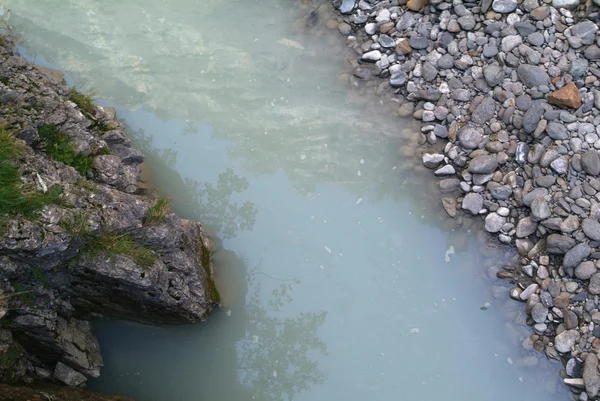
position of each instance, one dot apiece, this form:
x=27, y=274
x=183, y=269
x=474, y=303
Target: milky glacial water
x=340, y=275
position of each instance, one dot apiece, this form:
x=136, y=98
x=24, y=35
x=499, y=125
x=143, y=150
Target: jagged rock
x=568, y=97
x=68, y=375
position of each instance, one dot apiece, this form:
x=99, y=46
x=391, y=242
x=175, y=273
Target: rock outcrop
x=78, y=237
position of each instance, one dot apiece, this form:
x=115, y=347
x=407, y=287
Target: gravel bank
x=509, y=93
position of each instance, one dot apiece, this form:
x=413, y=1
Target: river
x=341, y=276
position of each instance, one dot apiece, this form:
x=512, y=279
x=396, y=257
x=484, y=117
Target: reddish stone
x=567, y=96
x=416, y=5
x=403, y=47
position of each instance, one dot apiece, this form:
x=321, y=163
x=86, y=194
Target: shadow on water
x=259, y=356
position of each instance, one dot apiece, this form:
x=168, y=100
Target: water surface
x=336, y=263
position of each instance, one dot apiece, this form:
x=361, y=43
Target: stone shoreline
x=510, y=91
x=96, y=244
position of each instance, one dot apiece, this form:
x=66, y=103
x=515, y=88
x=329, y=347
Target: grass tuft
x=85, y=101
x=77, y=226
x=157, y=213
x=113, y=244
x=59, y=148
x=14, y=199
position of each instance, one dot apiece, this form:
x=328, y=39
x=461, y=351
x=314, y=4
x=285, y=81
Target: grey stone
x=531, y=118
x=578, y=68
x=470, y=137
x=445, y=62
x=68, y=375
x=590, y=374
x=557, y=131
x=386, y=41
x=536, y=39
x=473, y=202
x=525, y=227
x=540, y=209
x=536, y=193
x=531, y=75
x=559, y=244
x=484, y=111
x=418, y=42
x=398, y=79
x=594, y=285
x=466, y=22
x=576, y=255
x=569, y=4
x=494, y=222
x=560, y=165
x=432, y=160
x=445, y=170
x=591, y=228
x=461, y=95
x=502, y=192
x=592, y=53
x=493, y=74
x=565, y=340
x=510, y=42
x=585, y=270
x=347, y=6
x=586, y=31
x=590, y=161
x=504, y=6
x=372, y=56
x=484, y=164
x=570, y=224
x=539, y=313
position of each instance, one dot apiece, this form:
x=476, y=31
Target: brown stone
x=567, y=96
x=561, y=301
x=571, y=320
x=503, y=274
x=385, y=28
x=403, y=47
x=416, y=5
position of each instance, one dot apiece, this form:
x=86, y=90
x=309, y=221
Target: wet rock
x=539, y=313
x=449, y=205
x=473, y=203
x=567, y=97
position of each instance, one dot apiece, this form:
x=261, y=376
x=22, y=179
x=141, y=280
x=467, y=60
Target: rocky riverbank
x=507, y=93
x=78, y=237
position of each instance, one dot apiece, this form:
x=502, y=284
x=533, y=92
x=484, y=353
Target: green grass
x=85, y=101
x=113, y=244
x=77, y=225
x=213, y=293
x=157, y=213
x=14, y=199
x=59, y=148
